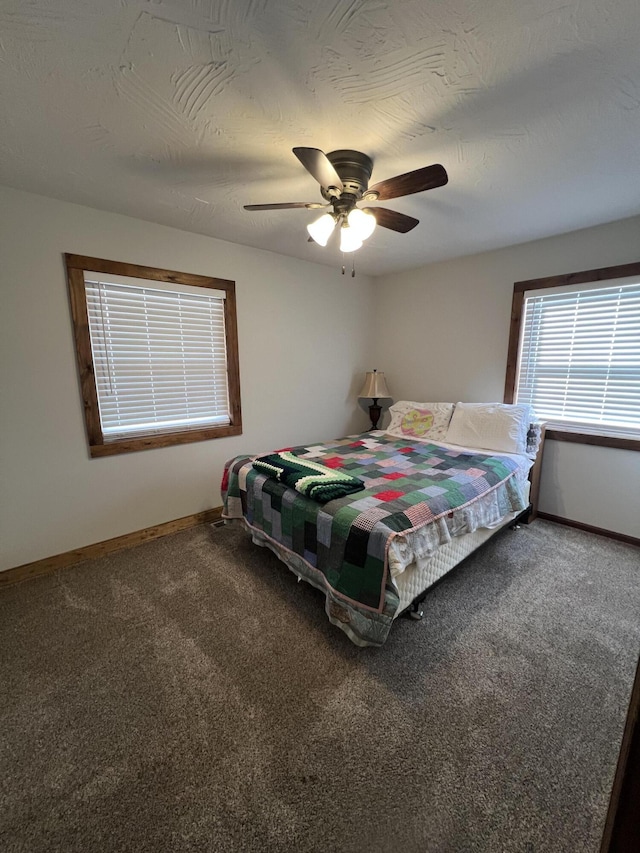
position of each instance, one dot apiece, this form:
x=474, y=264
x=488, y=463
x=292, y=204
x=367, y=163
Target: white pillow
x=490, y=426
x=428, y=421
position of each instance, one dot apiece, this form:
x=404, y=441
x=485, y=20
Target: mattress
x=422, y=573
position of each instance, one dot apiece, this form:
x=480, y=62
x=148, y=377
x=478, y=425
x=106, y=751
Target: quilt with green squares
x=341, y=546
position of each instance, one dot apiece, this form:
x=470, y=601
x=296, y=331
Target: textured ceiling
x=181, y=111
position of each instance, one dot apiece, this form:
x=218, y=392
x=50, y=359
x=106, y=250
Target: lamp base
x=374, y=413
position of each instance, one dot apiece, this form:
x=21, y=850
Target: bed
x=433, y=487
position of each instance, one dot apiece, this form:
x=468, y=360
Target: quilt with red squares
x=341, y=546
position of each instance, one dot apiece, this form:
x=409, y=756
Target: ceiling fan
x=344, y=183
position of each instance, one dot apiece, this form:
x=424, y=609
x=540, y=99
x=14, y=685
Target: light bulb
x=349, y=239
x=322, y=228
x=362, y=222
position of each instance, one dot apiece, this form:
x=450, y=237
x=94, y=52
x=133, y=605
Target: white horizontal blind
x=159, y=355
x=579, y=359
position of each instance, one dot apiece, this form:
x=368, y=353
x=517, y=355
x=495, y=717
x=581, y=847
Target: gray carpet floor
x=190, y=695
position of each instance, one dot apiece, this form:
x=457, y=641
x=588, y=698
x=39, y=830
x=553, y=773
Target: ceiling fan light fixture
x=321, y=229
x=363, y=224
x=349, y=239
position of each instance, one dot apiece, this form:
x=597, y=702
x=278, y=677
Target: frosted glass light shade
x=362, y=223
x=349, y=239
x=322, y=229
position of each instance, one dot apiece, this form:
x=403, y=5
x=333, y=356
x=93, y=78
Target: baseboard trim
x=99, y=549
x=610, y=534
x=130, y=540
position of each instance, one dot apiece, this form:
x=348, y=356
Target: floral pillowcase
x=428, y=421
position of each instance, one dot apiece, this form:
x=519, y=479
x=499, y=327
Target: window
x=574, y=354
x=157, y=355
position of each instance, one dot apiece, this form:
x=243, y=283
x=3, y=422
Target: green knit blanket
x=316, y=481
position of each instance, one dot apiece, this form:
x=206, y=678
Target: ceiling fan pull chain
x=353, y=267
x=343, y=264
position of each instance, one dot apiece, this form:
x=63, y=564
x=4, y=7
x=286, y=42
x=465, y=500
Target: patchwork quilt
x=341, y=546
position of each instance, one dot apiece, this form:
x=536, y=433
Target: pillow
x=490, y=426
x=420, y=420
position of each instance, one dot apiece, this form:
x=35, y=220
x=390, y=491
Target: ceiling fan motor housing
x=354, y=169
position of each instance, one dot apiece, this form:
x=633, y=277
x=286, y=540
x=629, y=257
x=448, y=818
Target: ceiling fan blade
x=423, y=179
x=287, y=205
x=318, y=164
x=392, y=219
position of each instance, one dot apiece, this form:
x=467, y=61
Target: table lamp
x=374, y=388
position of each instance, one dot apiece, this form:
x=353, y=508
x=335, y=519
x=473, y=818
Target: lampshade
x=322, y=229
x=362, y=223
x=349, y=239
x=374, y=386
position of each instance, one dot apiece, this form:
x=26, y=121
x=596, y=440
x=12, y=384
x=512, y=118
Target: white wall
x=442, y=334
x=304, y=335
x=303, y=331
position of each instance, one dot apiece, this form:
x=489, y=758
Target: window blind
x=579, y=362
x=159, y=356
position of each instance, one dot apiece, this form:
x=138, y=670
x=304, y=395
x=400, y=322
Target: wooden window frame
x=519, y=290
x=76, y=266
